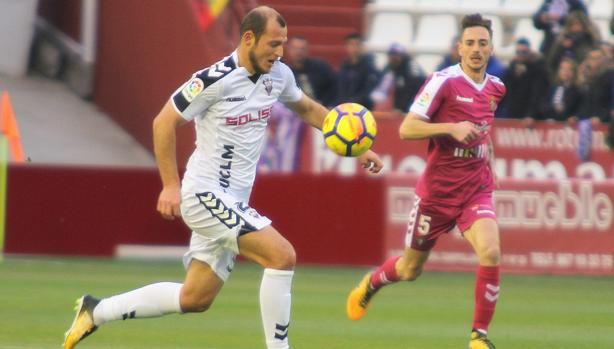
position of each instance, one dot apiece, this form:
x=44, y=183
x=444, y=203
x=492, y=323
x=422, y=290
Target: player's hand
x=168, y=202
x=371, y=162
x=464, y=132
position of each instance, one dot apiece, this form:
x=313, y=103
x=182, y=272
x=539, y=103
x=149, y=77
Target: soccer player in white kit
x=230, y=103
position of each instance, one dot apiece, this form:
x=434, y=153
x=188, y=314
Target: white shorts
x=217, y=219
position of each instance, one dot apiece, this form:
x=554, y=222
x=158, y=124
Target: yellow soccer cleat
x=83, y=324
x=359, y=298
x=480, y=341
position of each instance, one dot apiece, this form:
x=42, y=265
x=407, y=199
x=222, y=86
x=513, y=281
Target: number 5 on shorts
x=424, y=224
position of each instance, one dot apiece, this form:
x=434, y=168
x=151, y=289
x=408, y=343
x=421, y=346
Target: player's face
x=475, y=48
x=269, y=47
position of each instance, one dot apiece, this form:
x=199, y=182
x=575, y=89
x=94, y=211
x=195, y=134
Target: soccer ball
x=349, y=129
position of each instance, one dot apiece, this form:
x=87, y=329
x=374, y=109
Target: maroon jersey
x=455, y=172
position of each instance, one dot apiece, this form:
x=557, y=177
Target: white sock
x=149, y=301
x=275, y=302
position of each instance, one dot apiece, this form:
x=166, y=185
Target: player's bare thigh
x=410, y=265
x=483, y=235
x=268, y=248
x=200, y=287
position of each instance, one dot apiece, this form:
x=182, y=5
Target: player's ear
x=249, y=38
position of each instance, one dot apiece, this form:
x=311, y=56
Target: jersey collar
x=477, y=86
x=253, y=78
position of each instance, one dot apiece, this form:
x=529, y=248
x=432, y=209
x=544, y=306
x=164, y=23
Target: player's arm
x=491, y=161
x=164, y=138
x=415, y=126
x=313, y=113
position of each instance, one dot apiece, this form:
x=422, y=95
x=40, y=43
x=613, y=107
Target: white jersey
x=230, y=109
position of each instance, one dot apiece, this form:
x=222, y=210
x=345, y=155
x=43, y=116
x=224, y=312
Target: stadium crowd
x=568, y=79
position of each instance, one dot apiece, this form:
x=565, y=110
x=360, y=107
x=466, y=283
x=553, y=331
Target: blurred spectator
x=452, y=57
x=401, y=80
x=526, y=81
x=551, y=17
x=284, y=134
x=357, y=75
x=314, y=76
x=563, y=98
x=494, y=67
x=595, y=81
x=608, y=49
x=576, y=38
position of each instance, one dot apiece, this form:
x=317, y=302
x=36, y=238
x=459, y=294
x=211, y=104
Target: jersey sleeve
x=291, y=92
x=196, y=95
x=429, y=98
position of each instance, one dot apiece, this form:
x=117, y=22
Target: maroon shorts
x=428, y=220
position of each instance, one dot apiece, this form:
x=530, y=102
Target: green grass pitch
x=545, y=312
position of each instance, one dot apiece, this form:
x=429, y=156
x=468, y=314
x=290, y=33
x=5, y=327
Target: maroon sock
x=385, y=274
x=486, y=294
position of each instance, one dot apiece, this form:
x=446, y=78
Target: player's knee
x=410, y=273
x=283, y=259
x=490, y=255
x=192, y=302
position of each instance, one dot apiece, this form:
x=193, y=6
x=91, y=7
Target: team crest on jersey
x=268, y=85
x=492, y=103
x=192, y=89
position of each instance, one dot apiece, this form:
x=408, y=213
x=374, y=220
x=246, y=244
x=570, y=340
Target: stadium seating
x=521, y=8
x=600, y=9
x=428, y=62
x=525, y=28
x=497, y=31
x=482, y=6
x=603, y=26
x=385, y=23
x=434, y=34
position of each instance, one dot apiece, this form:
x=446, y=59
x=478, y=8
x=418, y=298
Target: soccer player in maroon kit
x=455, y=110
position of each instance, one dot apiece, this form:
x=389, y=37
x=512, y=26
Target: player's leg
x=426, y=223
x=483, y=235
x=196, y=294
x=148, y=301
x=399, y=268
x=208, y=265
x=272, y=251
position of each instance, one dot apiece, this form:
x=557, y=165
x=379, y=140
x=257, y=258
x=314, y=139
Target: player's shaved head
x=476, y=20
x=256, y=20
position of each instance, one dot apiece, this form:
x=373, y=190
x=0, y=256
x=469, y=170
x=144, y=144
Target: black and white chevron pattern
x=217, y=208
x=281, y=331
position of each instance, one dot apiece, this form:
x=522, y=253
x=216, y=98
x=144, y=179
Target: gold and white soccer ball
x=349, y=129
